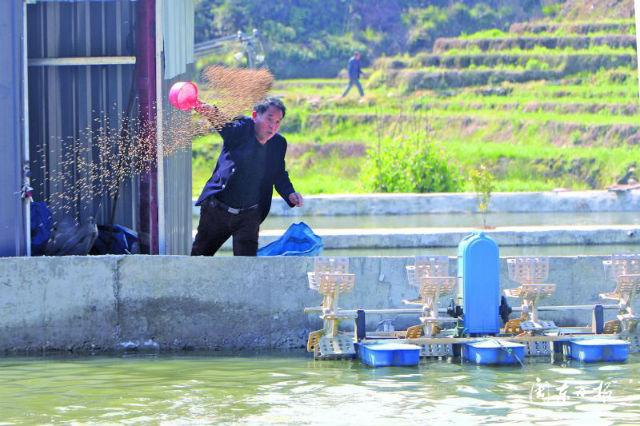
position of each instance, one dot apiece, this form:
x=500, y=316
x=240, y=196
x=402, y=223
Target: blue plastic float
x=389, y=354
x=599, y=350
x=492, y=352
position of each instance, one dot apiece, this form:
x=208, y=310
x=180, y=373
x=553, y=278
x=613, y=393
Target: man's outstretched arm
x=212, y=113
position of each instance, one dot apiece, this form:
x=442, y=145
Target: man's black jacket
x=235, y=136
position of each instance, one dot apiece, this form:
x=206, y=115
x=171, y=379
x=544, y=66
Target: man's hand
x=203, y=108
x=296, y=199
x=210, y=112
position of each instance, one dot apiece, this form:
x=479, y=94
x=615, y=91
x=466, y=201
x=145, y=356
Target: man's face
x=267, y=124
x=357, y=56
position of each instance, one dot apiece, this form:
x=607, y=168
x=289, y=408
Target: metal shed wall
x=70, y=104
x=178, y=210
x=178, y=37
x=12, y=215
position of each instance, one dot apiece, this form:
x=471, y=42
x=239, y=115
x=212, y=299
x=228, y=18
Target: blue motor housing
x=479, y=284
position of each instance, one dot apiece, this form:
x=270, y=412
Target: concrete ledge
x=58, y=302
x=507, y=202
x=177, y=302
x=451, y=237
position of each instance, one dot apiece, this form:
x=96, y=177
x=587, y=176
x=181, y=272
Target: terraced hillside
x=542, y=106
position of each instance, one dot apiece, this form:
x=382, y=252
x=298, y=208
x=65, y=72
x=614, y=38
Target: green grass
x=561, y=32
x=498, y=67
x=491, y=33
x=537, y=51
x=330, y=175
x=565, y=29
x=311, y=175
x=205, y=153
x=523, y=99
x=621, y=21
x=461, y=111
x=526, y=151
x=518, y=154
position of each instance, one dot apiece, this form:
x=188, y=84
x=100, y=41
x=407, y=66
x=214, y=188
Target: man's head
x=267, y=115
x=356, y=55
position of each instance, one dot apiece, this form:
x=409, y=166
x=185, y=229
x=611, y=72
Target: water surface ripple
x=294, y=389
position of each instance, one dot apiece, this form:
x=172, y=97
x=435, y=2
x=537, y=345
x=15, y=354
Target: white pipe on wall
x=26, y=202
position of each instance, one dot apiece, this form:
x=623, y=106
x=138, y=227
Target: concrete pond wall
x=500, y=202
x=358, y=205
x=176, y=302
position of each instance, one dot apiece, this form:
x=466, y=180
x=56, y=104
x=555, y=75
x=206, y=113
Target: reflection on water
x=292, y=389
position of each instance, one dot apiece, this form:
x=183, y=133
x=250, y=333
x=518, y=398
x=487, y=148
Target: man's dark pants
x=353, y=82
x=217, y=225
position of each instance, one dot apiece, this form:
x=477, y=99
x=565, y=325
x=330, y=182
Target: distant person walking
x=353, y=67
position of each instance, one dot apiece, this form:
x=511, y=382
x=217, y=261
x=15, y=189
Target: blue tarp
x=298, y=240
x=41, y=225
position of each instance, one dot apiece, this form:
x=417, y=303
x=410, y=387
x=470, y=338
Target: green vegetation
x=552, y=10
x=604, y=29
x=314, y=38
x=492, y=33
x=542, y=51
x=409, y=162
x=537, y=118
x=483, y=183
x=532, y=136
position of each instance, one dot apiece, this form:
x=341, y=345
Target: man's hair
x=262, y=106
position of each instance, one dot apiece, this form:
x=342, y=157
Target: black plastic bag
x=116, y=239
x=70, y=238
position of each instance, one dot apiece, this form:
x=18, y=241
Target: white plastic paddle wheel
x=624, y=270
x=530, y=273
x=430, y=275
x=330, y=277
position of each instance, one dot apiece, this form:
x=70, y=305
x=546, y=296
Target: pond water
x=294, y=389
x=450, y=220
x=454, y=220
x=465, y=220
x=568, y=250
x=505, y=251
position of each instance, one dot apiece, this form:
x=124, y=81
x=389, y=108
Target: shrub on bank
x=397, y=165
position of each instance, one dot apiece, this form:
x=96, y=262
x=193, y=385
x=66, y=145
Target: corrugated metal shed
x=178, y=212
x=73, y=105
x=178, y=35
x=178, y=39
x=12, y=137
